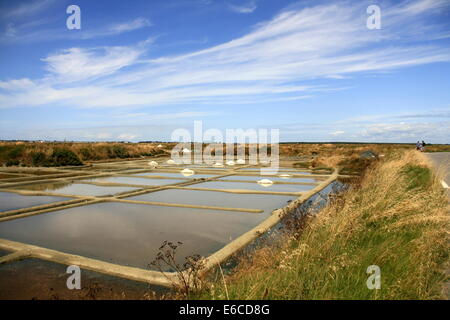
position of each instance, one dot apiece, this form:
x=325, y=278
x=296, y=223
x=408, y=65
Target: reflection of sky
x=175, y=175
x=13, y=201
x=278, y=179
x=218, y=199
x=137, y=181
x=279, y=171
x=130, y=233
x=81, y=189
x=253, y=186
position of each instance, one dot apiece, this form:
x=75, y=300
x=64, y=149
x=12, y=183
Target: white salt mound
x=153, y=164
x=187, y=172
x=265, y=182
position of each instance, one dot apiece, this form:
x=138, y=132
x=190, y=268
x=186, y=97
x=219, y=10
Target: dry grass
x=22, y=153
x=395, y=218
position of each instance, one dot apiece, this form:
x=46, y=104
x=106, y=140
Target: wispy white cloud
x=409, y=127
x=27, y=32
x=76, y=64
x=405, y=132
x=248, y=7
x=158, y=131
x=137, y=23
x=404, y=116
x=268, y=64
x=17, y=84
x=27, y=9
x=127, y=136
x=116, y=29
x=10, y=31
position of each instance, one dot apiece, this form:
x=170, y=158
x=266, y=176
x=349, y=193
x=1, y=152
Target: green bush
x=12, y=162
x=38, y=159
x=64, y=157
x=11, y=152
x=86, y=154
x=16, y=152
x=118, y=152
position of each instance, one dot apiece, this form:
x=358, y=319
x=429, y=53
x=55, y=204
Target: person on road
x=418, y=145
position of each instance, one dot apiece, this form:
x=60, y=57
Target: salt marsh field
x=121, y=217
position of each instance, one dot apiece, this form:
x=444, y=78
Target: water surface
x=278, y=179
x=130, y=234
x=264, y=202
x=175, y=175
x=14, y=201
x=273, y=171
x=136, y=181
x=253, y=186
x=79, y=189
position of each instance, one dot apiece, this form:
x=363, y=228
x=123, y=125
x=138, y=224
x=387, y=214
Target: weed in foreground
x=189, y=279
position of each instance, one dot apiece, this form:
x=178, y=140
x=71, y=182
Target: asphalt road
x=441, y=161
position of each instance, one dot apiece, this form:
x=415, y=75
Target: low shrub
x=118, y=152
x=38, y=159
x=12, y=163
x=64, y=157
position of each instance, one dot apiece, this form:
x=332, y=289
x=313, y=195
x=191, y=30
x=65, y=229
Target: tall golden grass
x=395, y=218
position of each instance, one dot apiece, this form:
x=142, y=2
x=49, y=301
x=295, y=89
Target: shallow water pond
x=279, y=171
x=278, y=179
x=175, y=175
x=14, y=201
x=253, y=186
x=130, y=234
x=79, y=189
x=137, y=181
x=218, y=199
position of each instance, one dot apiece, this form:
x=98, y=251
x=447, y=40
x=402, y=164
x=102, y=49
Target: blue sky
x=138, y=70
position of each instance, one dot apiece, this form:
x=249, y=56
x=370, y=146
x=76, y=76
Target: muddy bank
x=33, y=279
